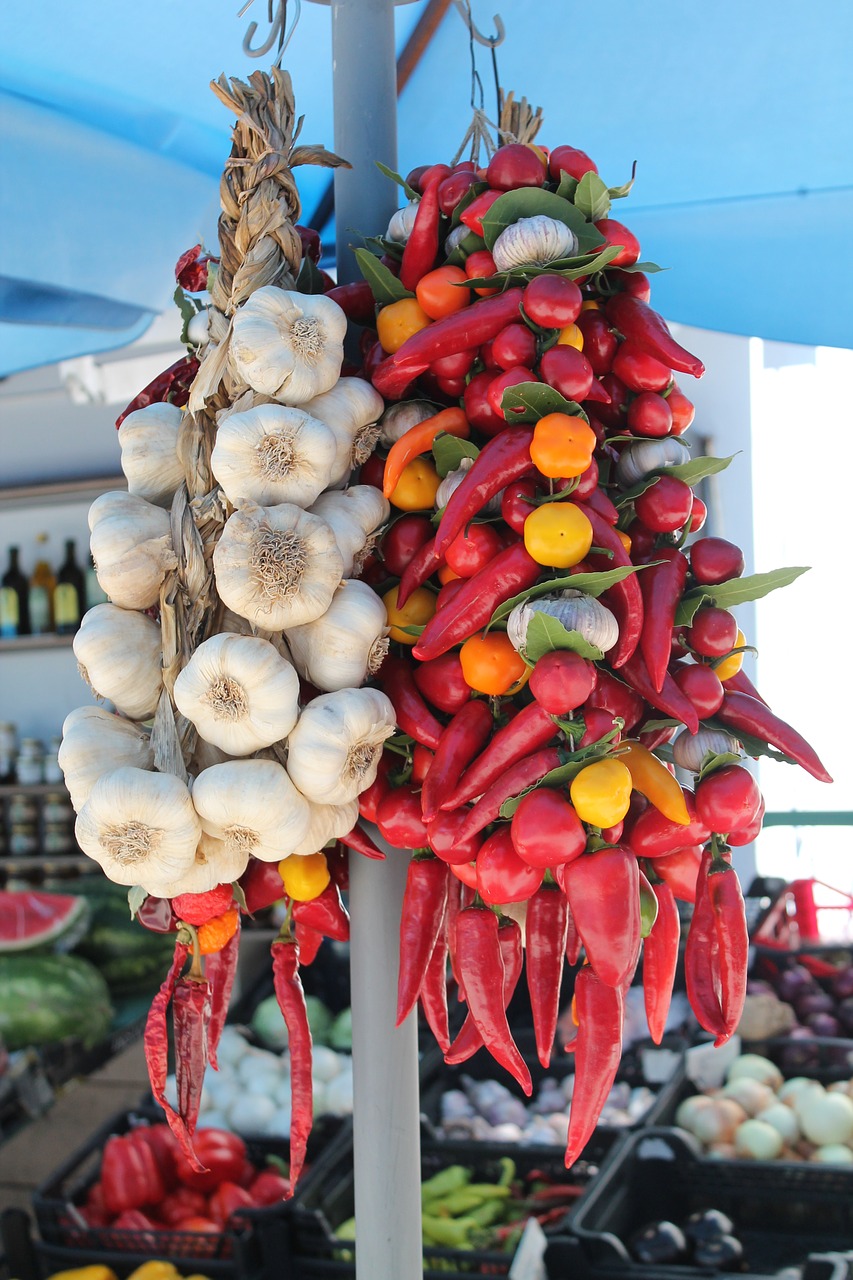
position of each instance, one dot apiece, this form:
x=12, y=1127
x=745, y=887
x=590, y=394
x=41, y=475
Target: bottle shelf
x=26, y=644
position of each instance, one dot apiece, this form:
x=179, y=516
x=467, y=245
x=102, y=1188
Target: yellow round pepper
x=416, y=612
x=557, y=534
x=304, y=878
x=417, y=487
x=731, y=665
x=396, y=323
x=571, y=336
x=601, y=793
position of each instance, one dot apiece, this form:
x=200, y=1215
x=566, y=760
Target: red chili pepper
x=433, y=992
x=741, y=683
x=396, y=680
x=669, y=699
x=546, y=931
x=680, y=871
x=424, y=904
x=261, y=885
x=326, y=914
x=505, y=458
x=356, y=300
x=309, y=942
x=368, y=801
x=660, y=957
x=466, y=735
x=422, y=566
x=469, y=1040
x=701, y=957
x=220, y=970
x=462, y=331
x=443, y=837
x=191, y=269
x=625, y=598
x=479, y=958
x=156, y=1045
x=661, y=586
x=173, y=384
x=191, y=1012
x=531, y=729
x=130, y=1175
x=361, y=842
x=471, y=608
x=601, y=504
x=472, y=214
x=603, y=890
x=399, y=819
x=291, y=1002
x=422, y=245
x=727, y=906
x=748, y=715
x=524, y=773
x=598, y=1050
x=646, y=329
x=652, y=835
x=573, y=938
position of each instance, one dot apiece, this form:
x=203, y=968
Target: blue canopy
x=740, y=118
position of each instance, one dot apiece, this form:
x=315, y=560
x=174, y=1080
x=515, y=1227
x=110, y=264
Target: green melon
x=33, y=921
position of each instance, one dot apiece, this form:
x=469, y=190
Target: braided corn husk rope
x=259, y=245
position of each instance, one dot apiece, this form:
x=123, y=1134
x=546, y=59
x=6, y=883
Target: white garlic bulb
x=277, y=566
x=399, y=417
x=288, y=345
x=149, y=452
x=351, y=410
x=347, y=644
x=132, y=548
x=273, y=454
x=239, y=693
x=118, y=653
x=533, y=242
x=333, y=753
x=457, y=235
x=400, y=226
x=353, y=515
x=640, y=458
x=689, y=749
x=252, y=806
x=96, y=741
x=576, y=611
x=328, y=822
x=141, y=827
x=215, y=863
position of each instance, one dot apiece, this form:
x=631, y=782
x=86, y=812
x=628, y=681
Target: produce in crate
x=557, y=642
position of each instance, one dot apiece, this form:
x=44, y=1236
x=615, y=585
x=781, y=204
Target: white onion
x=757, y=1140
x=833, y=1153
x=751, y=1094
x=827, y=1118
x=754, y=1067
x=719, y=1122
x=783, y=1119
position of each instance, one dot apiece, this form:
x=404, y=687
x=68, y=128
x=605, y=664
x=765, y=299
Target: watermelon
x=33, y=921
x=48, y=998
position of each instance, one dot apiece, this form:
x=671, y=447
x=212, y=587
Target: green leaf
x=309, y=279
x=569, y=268
x=754, y=587
x=592, y=197
x=648, y=268
x=628, y=495
x=651, y=726
x=574, y=763
x=396, y=177
x=568, y=185
x=591, y=584
x=689, y=605
x=546, y=634
x=536, y=400
x=383, y=283
x=457, y=257
x=713, y=760
x=188, y=309
x=527, y=202
x=135, y=898
x=619, y=193
x=449, y=451
x=240, y=896
x=381, y=244
x=696, y=469
x=412, y=630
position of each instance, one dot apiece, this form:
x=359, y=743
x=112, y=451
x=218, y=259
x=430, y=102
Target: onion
x=795, y=982
x=688, y=1111
x=823, y=1024
x=826, y=1117
x=754, y=1067
x=842, y=983
x=783, y=1119
x=800, y=1050
x=789, y=1090
x=751, y=1094
x=844, y=1013
x=757, y=1140
x=813, y=1002
x=719, y=1122
x=833, y=1153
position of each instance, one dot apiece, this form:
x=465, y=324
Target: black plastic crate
x=328, y=1200
x=782, y=1212
x=251, y=1248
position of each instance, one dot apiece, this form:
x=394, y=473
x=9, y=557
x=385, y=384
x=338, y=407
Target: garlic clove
x=398, y=418
x=533, y=241
x=345, y=646
x=272, y=454
x=328, y=822
x=131, y=544
x=576, y=611
x=118, y=653
x=689, y=749
x=640, y=458
x=149, y=453
x=288, y=345
x=333, y=753
x=400, y=226
x=96, y=741
x=253, y=806
x=353, y=515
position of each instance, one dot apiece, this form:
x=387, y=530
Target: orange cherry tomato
x=490, y=664
x=439, y=293
x=562, y=445
x=397, y=322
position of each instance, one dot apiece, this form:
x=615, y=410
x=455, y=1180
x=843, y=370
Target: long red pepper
x=326, y=914
x=599, y=502
x=624, y=598
x=729, y=915
x=172, y=385
x=466, y=735
x=524, y=773
x=422, y=566
x=413, y=715
x=741, y=683
x=652, y=835
x=661, y=585
x=361, y=842
x=469, y=1040
x=433, y=992
x=603, y=890
x=669, y=699
x=480, y=963
x=741, y=712
x=459, y=896
x=701, y=956
x=511, y=571
x=660, y=958
x=156, y=1044
x=463, y=331
x=422, y=245
x=636, y=320
x=573, y=938
x=545, y=931
x=505, y=458
x=526, y=732
x=309, y=942
x=191, y=1009
x=598, y=1050
x=220, y=970
x=424, y=904
x=291, y=1001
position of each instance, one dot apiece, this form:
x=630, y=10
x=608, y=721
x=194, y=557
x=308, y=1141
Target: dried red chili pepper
x=480, y=961
x=326, y=914
x=220, y=969
x=156, y=1045
x=471, y=608
x=729, y=915
x=646, y=329
x=414, y=717
x=545, y=931
x=505, y=458
x=466, y=735
x=748, y=715
x=669, y=699
x=173, y=384
x=433, y=992
x=191, y=1011
x=424, y=904
x=291, y=1001
x=469, y=1040
x=361, y=842
x=661, y=585
x=531, y=729
x=701, y=957
x=625, y=597
x=660, y=957
x=524, y=773
x=130, y=1175
x=597, y=1049
x=356, y=300
x=603, y=890
x=422, y=245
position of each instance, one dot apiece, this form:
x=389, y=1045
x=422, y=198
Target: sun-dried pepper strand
x=173, y=384
x=480, y=962
x=156, y=1045
x=545, y=931
x=191, y=1010
x=421, y=921
x=469, y=1040
x=220, y=970
x=597, y=1050
x=660, y=958
x=729, y=914
x=291, y=1001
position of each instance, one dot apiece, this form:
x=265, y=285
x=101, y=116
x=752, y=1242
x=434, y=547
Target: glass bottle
x=42, y=584
x=95, y=593
x=69, y=594
x=14, y=602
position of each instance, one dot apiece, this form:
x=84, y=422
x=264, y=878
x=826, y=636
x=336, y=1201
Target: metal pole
x=386, y=1112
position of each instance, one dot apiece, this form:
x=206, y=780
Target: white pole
x=386, y=1124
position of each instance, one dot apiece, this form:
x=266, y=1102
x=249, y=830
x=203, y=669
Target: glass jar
x=52, y=771
x=23, y=839
x=30, y=762
x=58, y=838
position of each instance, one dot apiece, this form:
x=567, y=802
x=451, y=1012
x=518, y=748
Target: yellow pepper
x=95, y=1272
x=304, y=878
x=625, y=539
x=654, y=780
x=417, y=487
x=571, y=336
x=416, y=612
x=396, y=323
x=731, y=665
x=157, y=1269
x=601, y=793
x=557, y=534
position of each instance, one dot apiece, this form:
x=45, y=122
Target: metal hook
x=277, y=32
x=491, y=42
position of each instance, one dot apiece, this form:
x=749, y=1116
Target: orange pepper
x=571, y=336
x=625, y=539
x=562, y=445
x=213, y=935
x=651, y=776
x=418, y=439
x=490, y=664
x=396, y=323
x=446, y=574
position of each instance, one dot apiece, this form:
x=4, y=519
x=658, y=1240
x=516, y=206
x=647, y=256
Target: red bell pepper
x=222, y=1156
x=130, y=1175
